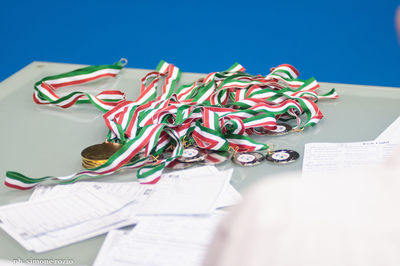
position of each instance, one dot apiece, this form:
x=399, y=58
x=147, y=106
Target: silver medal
x=191, y=155
x=283, y=156
x=281, y=129
x=247, y=158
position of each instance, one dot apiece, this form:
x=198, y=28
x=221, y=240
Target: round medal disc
x=191, y=155
x=281, y=129
x=247, y=158
x=177, y=165
x=215, y=158
x=101, y=151
x=283, y=156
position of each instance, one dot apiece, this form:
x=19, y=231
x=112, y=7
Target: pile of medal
x=97, y=155
x=193, y=154
x=209, y=121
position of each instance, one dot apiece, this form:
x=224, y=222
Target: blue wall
x=334, y=41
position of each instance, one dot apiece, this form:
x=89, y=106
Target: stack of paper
x=64, y=214
x=176, y=223
x=205, y=186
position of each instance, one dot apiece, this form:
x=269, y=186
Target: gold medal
x=96, y=155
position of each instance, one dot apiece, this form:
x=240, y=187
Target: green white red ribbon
x=217, y=112
x=45, y=90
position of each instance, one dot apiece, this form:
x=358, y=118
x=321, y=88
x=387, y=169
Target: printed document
x=47, y=224
x=186, y=193
x=183, y=182
x=162, y=241
x=324, y=158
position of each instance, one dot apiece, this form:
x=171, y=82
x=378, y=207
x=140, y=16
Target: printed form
x=47, y=224
x=324, y=158
x=180, y=185
x=193, y=192
x=162, y=241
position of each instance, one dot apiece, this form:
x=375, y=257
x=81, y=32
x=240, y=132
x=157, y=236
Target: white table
x=42, y=140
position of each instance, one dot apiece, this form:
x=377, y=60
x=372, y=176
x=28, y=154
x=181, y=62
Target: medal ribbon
x=217, y=112
x=45, y=89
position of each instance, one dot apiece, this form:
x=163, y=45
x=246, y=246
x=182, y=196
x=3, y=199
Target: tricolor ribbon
x=45, y=90
x=217, y=112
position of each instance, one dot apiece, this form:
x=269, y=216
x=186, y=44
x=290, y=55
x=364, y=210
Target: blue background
x=336, y=41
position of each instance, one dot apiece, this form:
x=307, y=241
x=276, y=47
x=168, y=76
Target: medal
x=247, y=158
x=281, y=129
x=192, y=154
x=215, y=158
x=96, y=155
x=282, y=156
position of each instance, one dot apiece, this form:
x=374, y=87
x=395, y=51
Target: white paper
x=105, y=255
x=64, y=214
x=192, y=179
x=162, y=241
x=128, y=190
x=47, y=224
x=324, y=158
x=135, y=191
x=187, y=192
x=228, y=198
x=391, y=133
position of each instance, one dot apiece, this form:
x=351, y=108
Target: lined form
x=323, y=158
x=128, y=190
x=161, y=240
x=193, y=185
x=61, y=220
x=184, y=193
